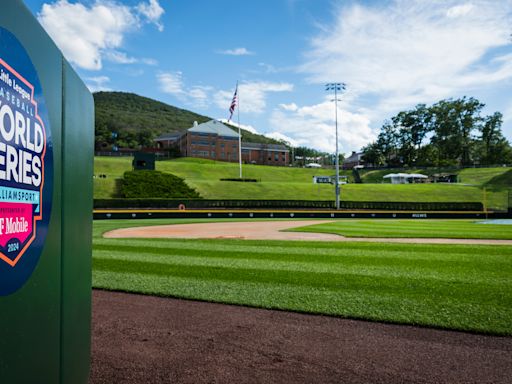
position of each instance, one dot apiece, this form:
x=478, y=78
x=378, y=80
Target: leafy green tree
x=388, y=143
x=412, y=128
x=456, y=122
x=493, y=148
x=450, y=132
x=372, y=154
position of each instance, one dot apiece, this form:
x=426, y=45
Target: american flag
x=233, y=103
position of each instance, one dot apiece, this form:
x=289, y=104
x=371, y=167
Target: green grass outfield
x=296, y=183
x=447, y=229
x=448, y=286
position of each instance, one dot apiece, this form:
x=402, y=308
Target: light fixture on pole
x=336, y=87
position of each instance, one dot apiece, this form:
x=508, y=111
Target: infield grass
x=447, y=286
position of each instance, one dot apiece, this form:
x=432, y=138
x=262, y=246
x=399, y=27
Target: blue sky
x=391, y=54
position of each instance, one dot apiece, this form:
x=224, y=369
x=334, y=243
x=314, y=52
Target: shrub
x=155, y=184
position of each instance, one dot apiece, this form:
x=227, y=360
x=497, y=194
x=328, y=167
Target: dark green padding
x=45, y=325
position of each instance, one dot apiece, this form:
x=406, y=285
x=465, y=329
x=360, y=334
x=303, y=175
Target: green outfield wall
x=46, y=167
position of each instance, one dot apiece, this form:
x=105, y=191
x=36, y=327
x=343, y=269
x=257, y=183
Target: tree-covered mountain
x=128, y=120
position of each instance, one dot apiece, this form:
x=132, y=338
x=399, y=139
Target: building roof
x=405, y=176
x=169, y=136
x=214, y=127
x=354, y=157
x=268, y=147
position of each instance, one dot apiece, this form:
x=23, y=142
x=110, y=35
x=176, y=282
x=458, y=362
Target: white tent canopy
x=403, y=178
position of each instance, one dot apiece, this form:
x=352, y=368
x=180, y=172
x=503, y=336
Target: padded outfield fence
x=284, y=204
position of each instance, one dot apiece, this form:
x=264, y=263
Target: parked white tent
x=404, y=178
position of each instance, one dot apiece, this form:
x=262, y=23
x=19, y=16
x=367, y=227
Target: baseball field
x=460, y=287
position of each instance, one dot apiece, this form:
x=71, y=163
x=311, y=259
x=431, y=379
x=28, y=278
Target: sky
x=391, y=54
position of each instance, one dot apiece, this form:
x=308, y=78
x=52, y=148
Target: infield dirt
x=267, y=230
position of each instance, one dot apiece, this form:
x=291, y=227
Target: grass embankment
x=447, y=229
x=296, y=183
x=448, y=286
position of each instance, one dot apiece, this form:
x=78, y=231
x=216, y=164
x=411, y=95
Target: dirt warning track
x=145, y=339
x=268, y=230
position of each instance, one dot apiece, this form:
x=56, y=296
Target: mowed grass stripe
x=466, y=291
x=321, y=249
x=457, y=229
x=390, y=307
x=352, y=253
x=395, y=266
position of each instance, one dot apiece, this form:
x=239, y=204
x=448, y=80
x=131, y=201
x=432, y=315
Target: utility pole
x=336, y=87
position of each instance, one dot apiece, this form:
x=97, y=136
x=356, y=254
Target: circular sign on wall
x=26, y=166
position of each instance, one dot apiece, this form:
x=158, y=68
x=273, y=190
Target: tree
x=412, y=127
x=450, y=132
x=493, y=147
x=455, y=123
x=372, y=154
x=388, y=142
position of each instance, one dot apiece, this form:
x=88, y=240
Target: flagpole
x=239, y=133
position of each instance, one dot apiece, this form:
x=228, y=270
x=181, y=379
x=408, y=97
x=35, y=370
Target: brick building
x=216, y=141
x=265, y=154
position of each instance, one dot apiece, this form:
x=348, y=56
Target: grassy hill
x=138, y=120
x=296, y=183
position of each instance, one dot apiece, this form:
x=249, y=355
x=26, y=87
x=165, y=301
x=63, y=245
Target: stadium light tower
x=336, y=87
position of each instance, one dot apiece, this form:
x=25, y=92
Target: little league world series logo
x=23, y=160
x=22, y=150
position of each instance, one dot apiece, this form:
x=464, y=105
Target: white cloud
x=314, y=126
x=171, y=83
x=249, y=128
x=153, y=12
x=279, y=136
x=199, y=96
x=459, y=10
x=85, y=34
x=289, y=107
x=119, y=57
x=507, y=113
x=251, y=96
x=236, y=52
x=149, y=61
x=413, y=51
x=268, y=68
x=98, y=83
x=122, y=58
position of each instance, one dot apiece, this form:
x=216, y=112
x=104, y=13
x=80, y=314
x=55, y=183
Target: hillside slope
x=137, y=120
x=296, y=183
